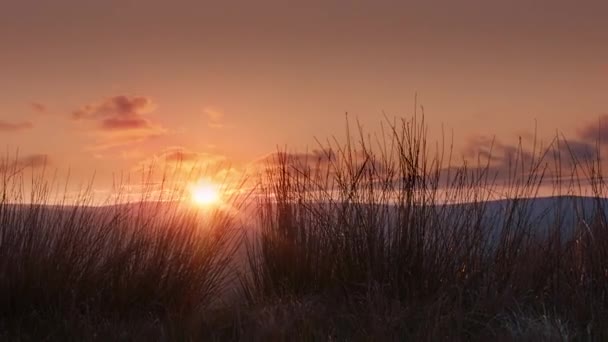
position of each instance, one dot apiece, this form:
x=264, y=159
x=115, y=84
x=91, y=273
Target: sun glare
x=205, y=194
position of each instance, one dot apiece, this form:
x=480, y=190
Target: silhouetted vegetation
x=387, y=237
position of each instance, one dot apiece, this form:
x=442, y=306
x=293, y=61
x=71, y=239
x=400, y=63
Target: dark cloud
x=519, y=162
x=491, y=151
x=34, y=160
x=30, y=161
x=316, y=159
x=579, y=150
x=299, y=158
x=38, y=107
x=480, y=147
x=120, y=106
x=6, y=126
x=324, y=162
x=180, y=155
x=185, y=158
x=596, y=130
x=124, y=124
x=504, y=161
x=120, y=120
x=118, y=113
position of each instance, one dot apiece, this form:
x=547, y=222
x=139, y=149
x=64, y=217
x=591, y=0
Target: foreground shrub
x=152, y=261
x=396, y=218
x=390, y=240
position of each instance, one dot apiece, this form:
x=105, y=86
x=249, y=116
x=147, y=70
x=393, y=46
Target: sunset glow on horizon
x=374, y=170
x=104, y=87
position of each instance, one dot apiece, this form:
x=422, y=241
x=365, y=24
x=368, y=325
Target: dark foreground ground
x=157, y=273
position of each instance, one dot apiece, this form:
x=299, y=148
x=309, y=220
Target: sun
x=205, y=194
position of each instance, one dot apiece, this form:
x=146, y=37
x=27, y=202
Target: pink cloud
x=596, y=130
x=30, y=161
x=215, y=117
x=38, y=107
x=120, y=120
x=125, y=124
x=6, y=126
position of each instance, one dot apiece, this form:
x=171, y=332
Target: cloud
x=322, y=162
x=501, y=160
x=178, y=165
x=38, y=107
x=517, y=161
x=215, y=117
x=184, y=159
x=178, y=155
x=120, y=120
x=120, y=106
x=595, y=130
x=497, y=152
x=6, y=126
x=299, y=158
x=112, y=124
x=480, y=147
x=583, y=147
x=33, y=161
x=315, y=159
x=580, y=150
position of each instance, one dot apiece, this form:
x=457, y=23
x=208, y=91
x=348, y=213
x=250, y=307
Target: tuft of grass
x=536, y=328
x=394, y=218
x=75, y=267
x=385, y=237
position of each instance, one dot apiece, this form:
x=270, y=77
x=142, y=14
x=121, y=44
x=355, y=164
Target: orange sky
x=106, y=85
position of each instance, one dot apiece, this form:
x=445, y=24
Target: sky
x=106, y=86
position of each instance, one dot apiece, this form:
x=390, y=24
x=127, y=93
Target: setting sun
x=205, y=194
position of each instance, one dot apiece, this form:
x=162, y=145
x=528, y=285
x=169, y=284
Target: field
x=384, y=238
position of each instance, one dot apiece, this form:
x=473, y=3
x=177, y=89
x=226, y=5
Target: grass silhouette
x=374, y=238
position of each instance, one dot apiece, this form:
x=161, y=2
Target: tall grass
x=151, y=261
x=384, y=237
x=392, y=229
